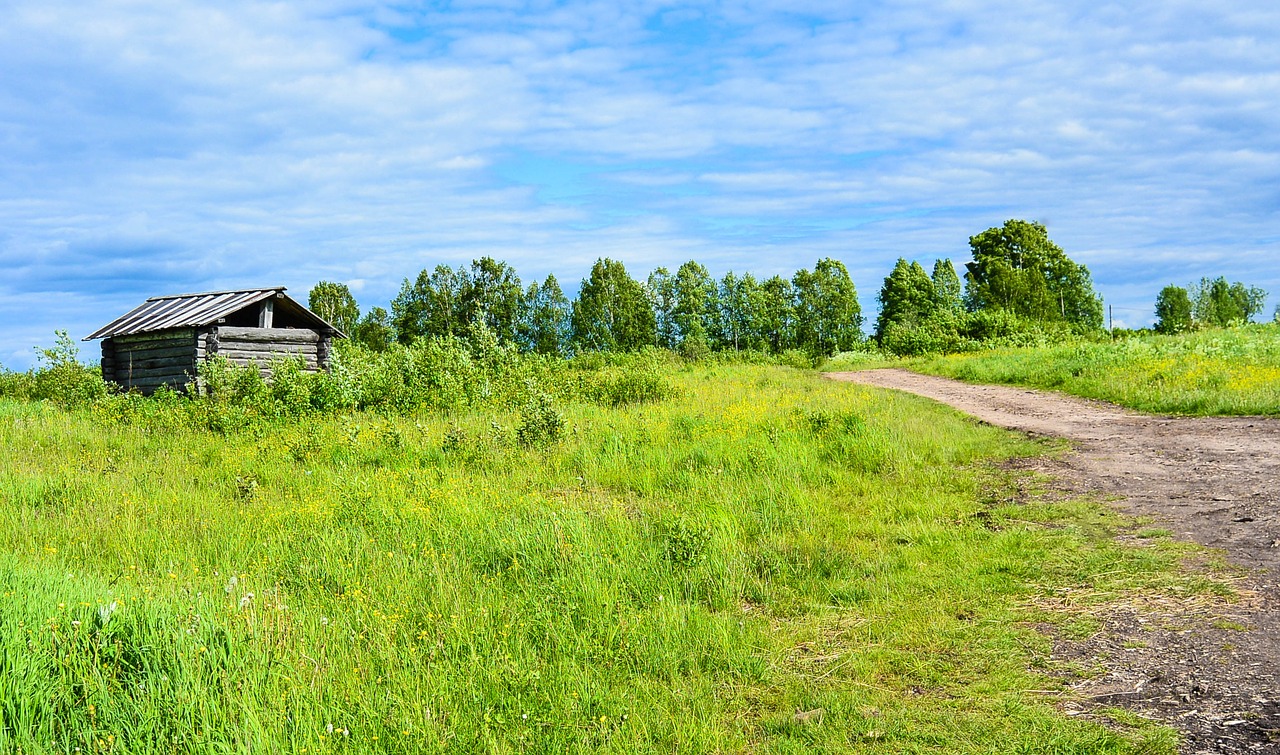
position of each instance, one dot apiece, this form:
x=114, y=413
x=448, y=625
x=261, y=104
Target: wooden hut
x=162, y=341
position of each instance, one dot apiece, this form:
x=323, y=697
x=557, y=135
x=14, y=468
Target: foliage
x=59, y=378
x=1173, y=310
x=946, y=286
x=612, y=312
x=1017, y=268
x=1218, y=372
x=374, y=331
x=678, y=578
x=828, y=317
x=448, y=302
x=694, y=300
x=662, y=297
x=740, y=300
x=627, y=379
x=335, y=304
x=430, y=306
x=907, y=299
x=540, y=423
x=1218, y=303
x=545, y=324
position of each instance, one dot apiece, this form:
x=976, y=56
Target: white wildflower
x=246, y=600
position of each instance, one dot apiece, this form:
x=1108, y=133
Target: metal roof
x=190, y=310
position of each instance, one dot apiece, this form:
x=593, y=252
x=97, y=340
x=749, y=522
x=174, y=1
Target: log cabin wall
x=261, y=345
x=147, y=361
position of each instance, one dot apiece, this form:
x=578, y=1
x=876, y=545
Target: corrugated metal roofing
x=185, y=311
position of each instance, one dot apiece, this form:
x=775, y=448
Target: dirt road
x=1214, y=675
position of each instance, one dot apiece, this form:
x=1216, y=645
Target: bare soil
x=1209, y=669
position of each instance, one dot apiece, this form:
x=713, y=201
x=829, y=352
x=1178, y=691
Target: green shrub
x=540, y=423
x=63, y=379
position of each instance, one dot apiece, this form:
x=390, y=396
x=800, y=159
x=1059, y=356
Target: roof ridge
x=218, y=293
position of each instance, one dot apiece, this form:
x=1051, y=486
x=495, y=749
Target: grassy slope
x=1217, y=372
x=673, y=577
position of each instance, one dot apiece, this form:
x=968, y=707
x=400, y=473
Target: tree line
x=689, y=311
x=1210, y=302
x=1018, y=284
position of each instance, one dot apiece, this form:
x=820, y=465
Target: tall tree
x=545, y=325
x=777, y=314
x=612, y=311
x=1017, y=268
x=334, y=302
x=491, y=294
x=1216, y=302
x=908, y=297
x=736, y=298
x=694, y=295
x=431, y=305
x=374, y=330
x=1173, y=310
x=661, y=288
x=946, y=286
x=828, y=316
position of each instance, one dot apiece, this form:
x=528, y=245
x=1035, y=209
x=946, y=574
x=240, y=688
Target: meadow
x=1218, y=371
x=752, y=559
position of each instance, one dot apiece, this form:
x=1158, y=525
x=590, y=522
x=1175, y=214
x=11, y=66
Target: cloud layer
x=156, y=147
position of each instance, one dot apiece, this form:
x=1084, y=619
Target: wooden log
x=281, y=335
x=172, y=364
x=181, y=336
x=159, y=372
x=266, y=360
x=124, y=355
x=152, y=383
x=268, y=348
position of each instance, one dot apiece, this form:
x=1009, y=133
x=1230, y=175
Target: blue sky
x=161, y=147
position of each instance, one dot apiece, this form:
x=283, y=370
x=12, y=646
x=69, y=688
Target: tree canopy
x=612, y=312
x=827, y=314
x=1017, y=268
x=1216, y=302
x=1173, y=310
x=908, y=297
x=334, y=302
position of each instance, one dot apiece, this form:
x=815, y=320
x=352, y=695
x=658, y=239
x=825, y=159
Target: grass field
x=1214, y=372
x=682, y=576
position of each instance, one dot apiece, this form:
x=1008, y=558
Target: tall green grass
x=1232, y=371
x=682, y=576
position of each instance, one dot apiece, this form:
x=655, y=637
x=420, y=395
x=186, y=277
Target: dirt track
x=1212, y=480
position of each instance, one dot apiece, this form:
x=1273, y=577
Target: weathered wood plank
x=143, y=365
x=155, y=380
x=268, y=348
x=180, y=336
x=124, y=355
x=156, y=373
x=264, y=358
x=282, y=335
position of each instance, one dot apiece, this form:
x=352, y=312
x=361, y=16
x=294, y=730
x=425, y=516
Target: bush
x=540, y=424
x=62, y=378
